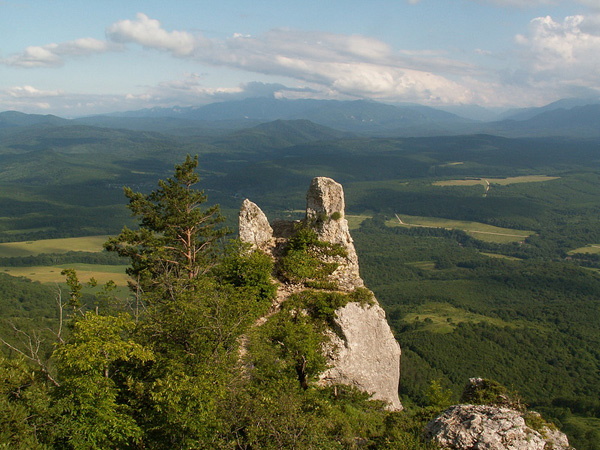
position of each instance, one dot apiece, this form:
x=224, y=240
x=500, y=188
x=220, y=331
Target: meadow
x=491, y=180
x=481, y=231
x=52, y=274
x=31, y=248
x=57, y=247
x=443, y=318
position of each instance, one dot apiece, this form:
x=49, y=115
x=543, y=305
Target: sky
x=78, y=57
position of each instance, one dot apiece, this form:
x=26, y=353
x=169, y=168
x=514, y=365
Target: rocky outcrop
x=254, y=226
x=483, y=427
x=325, y=211
x=362, y=351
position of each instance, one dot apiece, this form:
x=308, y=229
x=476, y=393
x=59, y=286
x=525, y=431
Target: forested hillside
x=519, y=305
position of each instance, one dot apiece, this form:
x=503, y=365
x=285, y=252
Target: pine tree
x=174, y=241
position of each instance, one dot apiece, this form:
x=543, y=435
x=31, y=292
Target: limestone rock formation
x=362, y=351
x=254, y=226
x=325, y=210
x=480, y=427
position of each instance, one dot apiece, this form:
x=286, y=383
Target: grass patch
x=51, y=274
x=481, y=231
x=354, y=221
x=443, y=318
x=499, y=256
x=500, y=181
x=424, y=265
x=32, y=248
x=589, y=249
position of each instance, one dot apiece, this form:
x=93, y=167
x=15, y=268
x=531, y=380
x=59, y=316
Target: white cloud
x=52, y=55
x=352, y=65
x=567, y=50
x=557, y=56
x=149, y=33
x=30, y=92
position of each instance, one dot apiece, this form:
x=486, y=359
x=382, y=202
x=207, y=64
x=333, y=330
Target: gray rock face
x=480, y=427
x=363, y=351
x=254, y=226
x=325, y=211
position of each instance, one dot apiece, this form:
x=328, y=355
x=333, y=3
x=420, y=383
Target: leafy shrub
x=306, y=260
x=248, y=268
x=481, y=391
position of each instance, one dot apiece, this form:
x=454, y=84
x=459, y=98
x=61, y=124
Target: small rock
x=482, y=427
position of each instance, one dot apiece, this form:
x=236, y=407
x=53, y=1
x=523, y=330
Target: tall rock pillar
x=362, y=351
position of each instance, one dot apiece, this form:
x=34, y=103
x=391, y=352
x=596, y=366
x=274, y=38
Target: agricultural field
x=354, y=220
x=52, y=274
x=491, y=180
x=32, y=248
x=481, y=231
x=56, y=249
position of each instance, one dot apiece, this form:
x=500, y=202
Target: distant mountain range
x=567, y=117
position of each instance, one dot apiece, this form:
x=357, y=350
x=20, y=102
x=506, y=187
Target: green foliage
x=437, y=396
x=175, y=239
x=90, y=414
x=25, y=421
x=74, y=289
x=320, y=306
x=246, y=268
x=53, y=259
x=536, y=422
x=195, y=337
x=308, y=260
x=288, y=346
x=363, y=296
x=489, y=392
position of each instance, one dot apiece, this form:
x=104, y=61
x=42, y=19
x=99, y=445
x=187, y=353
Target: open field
x=501, y=181
x=499, y=256
x=354, y=221
x=590, y=248
x=443, y=317
x=481, y=231
x=423, y=265
x=51, y=274
x=32, y=248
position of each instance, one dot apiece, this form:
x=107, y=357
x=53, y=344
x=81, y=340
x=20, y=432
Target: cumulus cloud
x=53, y=55
x=352, y=65
x=568, y=50
x=149, y=33
x=329, y=65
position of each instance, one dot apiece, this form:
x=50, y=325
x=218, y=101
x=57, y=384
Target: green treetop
x=175, y=235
